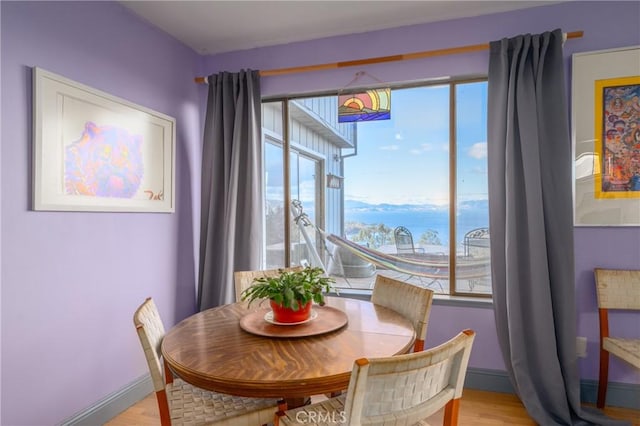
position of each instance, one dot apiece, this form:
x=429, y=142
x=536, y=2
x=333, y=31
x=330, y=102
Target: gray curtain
x=231, y=199
x=531, y=222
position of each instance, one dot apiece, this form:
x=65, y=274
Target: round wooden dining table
x=212, y=351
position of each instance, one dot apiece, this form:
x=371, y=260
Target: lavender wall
x=70, y=280
x=606, y=25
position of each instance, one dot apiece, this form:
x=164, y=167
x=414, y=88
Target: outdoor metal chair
x=404, y=241
x=476, y=243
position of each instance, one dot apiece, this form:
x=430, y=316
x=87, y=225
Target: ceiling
x=211, y=27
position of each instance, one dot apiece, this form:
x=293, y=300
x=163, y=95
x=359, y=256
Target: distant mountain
x=474, y=205
x=353, y=205
x=359, y=207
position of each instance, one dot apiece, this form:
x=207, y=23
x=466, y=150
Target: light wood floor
x=477, y=408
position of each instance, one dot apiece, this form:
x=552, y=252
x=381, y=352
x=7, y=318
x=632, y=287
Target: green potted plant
x=291, y=293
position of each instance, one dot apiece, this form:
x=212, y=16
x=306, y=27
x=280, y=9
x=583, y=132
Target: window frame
x=453, y=296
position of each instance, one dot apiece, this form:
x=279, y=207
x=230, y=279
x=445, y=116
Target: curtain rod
x=381, y=59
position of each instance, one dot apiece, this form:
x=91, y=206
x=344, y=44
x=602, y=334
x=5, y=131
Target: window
x=405, y=197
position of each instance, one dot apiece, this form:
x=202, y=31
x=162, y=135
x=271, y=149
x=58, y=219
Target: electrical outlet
x=581, y=347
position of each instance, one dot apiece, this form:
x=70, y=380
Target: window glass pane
x=400, y=178
x=316, y=141
x=274, y=206
x=305, y=188
x=473, y=273
x=274, y=187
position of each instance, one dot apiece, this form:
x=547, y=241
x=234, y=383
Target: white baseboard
x=112, y=405
x=625, y=395
x=618, y=394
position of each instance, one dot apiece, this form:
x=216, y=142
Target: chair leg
x=168, y=374
x=603, y=379
x=451, y=412
x=282, y=407
x=163, y=407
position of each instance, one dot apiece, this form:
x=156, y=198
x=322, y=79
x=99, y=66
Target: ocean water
x=420, y=218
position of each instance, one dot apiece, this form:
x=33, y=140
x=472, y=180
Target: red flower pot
x=288, y=315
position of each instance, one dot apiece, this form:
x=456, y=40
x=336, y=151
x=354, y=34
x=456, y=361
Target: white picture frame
x=591, y=72
x=96, y=152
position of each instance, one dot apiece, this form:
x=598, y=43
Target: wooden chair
x=616, y=289
x=183, y=404
x=398, y=390
x=244, y=279
x=409, y=300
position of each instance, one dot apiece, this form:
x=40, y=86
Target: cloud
x=399, y=137
x=479, y=171
x=422, y=148
x=478, y=150
x=390, y=148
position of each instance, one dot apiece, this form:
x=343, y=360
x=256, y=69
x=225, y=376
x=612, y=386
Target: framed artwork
x=96, y=152
x=606, y=137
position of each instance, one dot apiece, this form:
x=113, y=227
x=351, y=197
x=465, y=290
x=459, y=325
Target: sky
x=405, y=160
